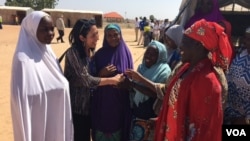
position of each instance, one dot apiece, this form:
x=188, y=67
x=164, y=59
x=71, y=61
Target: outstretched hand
x=134, y=75
x=118, y=78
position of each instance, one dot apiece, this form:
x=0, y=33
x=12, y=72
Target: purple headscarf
x=110, y=106
x=119, y=56
x=214, y=16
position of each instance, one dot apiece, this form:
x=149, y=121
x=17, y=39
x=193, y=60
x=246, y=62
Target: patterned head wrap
x=214, y=39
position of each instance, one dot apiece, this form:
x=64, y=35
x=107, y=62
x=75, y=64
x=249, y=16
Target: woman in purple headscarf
x=111, y=113
x=208, y=10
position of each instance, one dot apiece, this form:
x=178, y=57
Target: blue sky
x=161, y=9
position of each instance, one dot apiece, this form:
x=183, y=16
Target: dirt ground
x=8, y=39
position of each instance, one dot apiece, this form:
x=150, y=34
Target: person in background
x=40, y=101
x=163, y=26
x=151, y=24
x=69, y=22
x=172, y=39
x=156, y=30
x=60, y=28
x=154, y=67
x=238, y=104
x=1, y=22
x=146, y=34
x=137, y=28
x=192, y=106
x=83, y=39
x=142, y=24
x=16, y=20
x=111, y=112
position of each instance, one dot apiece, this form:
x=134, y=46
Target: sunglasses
x=86, y=24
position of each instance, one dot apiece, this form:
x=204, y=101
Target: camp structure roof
x=243, y=3
x=237, y=12
x=16, y=8
x=235, y=6
x=71, y=16
x=14, y=14
x=72, y=11
x=113, y=15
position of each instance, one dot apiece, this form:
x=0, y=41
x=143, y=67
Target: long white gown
x=40, y=102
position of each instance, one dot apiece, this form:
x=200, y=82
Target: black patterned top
x=76, y=70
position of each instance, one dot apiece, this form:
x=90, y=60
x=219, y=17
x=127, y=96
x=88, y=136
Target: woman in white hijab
x=40, y=103
x=172, y=38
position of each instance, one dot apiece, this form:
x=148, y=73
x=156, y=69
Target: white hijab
x=40, y=102
x=175, y=32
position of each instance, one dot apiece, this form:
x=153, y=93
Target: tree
x=35, y=4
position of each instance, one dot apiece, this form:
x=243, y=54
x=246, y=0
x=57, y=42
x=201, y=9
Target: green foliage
x=35, y=4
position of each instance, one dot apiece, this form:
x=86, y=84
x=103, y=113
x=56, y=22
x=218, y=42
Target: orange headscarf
x=214, y=39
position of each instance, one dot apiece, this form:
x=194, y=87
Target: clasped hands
x=122, y=80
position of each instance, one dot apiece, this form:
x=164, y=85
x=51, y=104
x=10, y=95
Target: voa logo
x=236, y=132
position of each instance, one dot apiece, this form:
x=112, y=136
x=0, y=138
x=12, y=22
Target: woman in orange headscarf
x=192, y=107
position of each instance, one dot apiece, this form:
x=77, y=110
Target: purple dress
x=111, y=113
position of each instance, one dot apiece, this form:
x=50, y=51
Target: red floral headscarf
x=214, y=39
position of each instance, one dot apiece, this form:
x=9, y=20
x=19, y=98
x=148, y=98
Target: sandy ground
x=8, y=40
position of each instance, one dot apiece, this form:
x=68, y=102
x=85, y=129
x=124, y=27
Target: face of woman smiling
x=151, y=56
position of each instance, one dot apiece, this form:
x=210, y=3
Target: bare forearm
x=145, y=90
x=107, y=81
x=148, y=83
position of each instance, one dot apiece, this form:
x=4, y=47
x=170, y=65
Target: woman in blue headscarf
x=113, y=58
x=154, y=67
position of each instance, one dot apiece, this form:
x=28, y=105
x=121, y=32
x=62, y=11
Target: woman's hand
x=134, y=75
x=108, y=71
x=125, y=84
x=117, y=79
